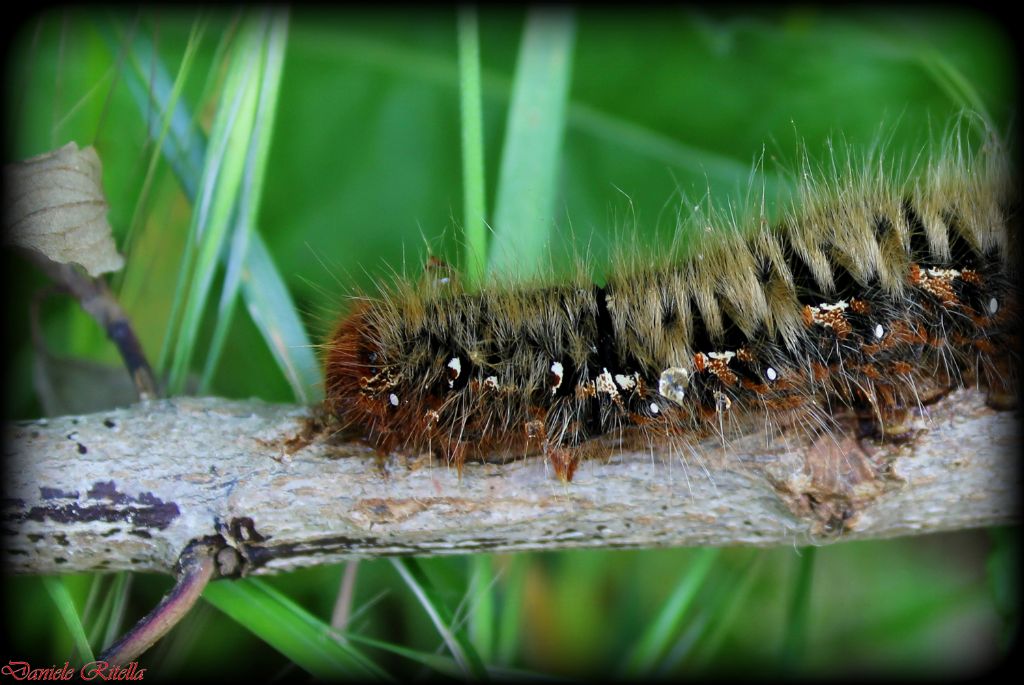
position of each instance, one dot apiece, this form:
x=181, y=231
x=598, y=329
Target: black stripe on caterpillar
x=869, y=294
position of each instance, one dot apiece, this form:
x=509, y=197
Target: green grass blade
x=726, y=611
x=263, y=288
x=251, y=191
x=654, y=642
x=795, y=641
x=66, y=608
x=151, y=88
x=165, y=123
x=444, y=665
x=105, y=626
x=469, y=662
x=118, y=597
x=290, y=629
x=214, y=75
x=481, y=606
x=273, y=311
x=604, y=127
x=510, y=624
x=527, y=182
x=470, y=100
x=684, y=645
x=88, y=615
x=219, y=189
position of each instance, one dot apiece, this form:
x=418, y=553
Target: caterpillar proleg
x=871, y=294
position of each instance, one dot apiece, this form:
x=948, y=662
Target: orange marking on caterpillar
x=477, y=373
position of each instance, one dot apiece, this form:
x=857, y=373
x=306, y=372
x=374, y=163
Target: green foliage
x=301, y=637
x=66, y=608
x=289, y=161
x=527, y=183
x=472, y=124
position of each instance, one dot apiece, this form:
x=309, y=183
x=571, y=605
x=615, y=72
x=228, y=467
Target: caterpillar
x=870, y=294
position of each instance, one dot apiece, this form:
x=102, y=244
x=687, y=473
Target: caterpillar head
x=360, y=379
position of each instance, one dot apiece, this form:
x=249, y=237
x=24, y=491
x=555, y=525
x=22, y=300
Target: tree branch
x=134, y=488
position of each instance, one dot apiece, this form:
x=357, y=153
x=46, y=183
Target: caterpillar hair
x=874, y=293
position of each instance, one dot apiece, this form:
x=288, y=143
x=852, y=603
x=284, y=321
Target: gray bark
x=133, y=488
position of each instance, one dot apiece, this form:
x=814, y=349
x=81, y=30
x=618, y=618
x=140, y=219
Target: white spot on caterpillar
x=946, y=274
x=829, y=315
x=627, y=382
x=839, y=306
x=604, y=383
x=672, y=383
x=393, y=399
x=455, y=364
x=659, y=307
x=556, y=370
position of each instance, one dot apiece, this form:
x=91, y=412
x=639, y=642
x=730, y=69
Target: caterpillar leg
x=1001, y=401
x=454, y=454
x=564, y=460
x=1002, y=392
x=884, y=417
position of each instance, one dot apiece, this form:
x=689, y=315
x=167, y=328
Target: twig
x=99, y=302
x=134, y=488
x=197, y=568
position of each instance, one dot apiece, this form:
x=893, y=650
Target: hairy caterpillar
x=869, y=294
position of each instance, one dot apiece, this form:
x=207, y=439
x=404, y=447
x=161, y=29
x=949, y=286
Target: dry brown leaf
x=54, y=205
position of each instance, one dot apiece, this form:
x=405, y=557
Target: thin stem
x=470, y=99
x=197, y=569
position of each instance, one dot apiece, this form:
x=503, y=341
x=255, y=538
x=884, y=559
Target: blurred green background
x=363, y=177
